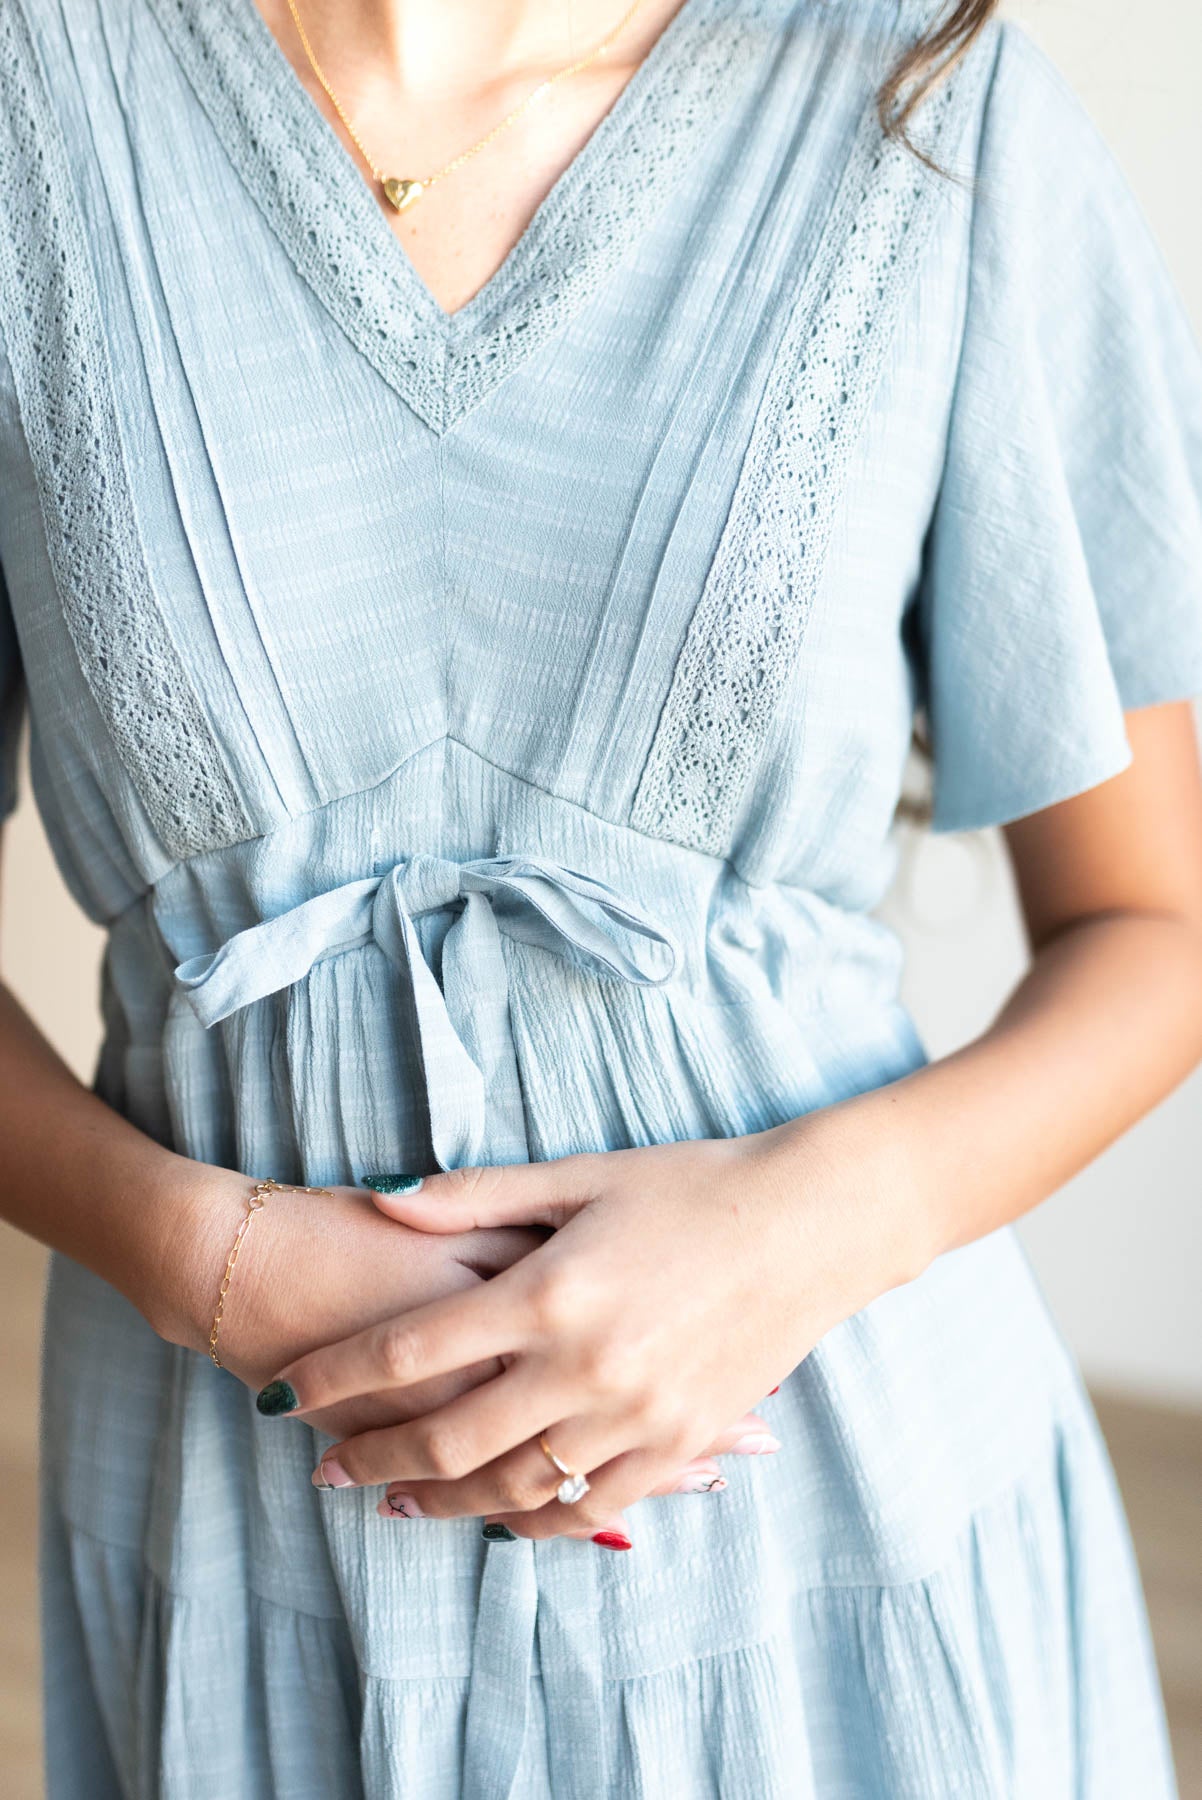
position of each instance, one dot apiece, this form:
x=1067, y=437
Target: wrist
x=200, y=1208
x=855, y=1158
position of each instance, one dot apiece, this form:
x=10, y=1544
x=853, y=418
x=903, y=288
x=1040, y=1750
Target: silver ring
x=574, y=1486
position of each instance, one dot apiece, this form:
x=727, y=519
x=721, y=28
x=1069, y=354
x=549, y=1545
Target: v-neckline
x=421, y=291
x=318, y=203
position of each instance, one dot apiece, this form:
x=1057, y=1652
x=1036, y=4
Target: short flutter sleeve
x=11, y=705
x=1062, y=571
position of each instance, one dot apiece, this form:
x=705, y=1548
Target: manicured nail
x=612, y=1540
x=277, y=1397
x=756, y=1443
x=399, y=1506
x=496, y=1533
x=331, y=1474
x=775, y=1390
x=391, y=1184
x=700, y=1484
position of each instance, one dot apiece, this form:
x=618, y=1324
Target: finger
x=520, y=1481
x=632, y=1475
x=459, y=1200
x=602, y=1448
x=454, y=1332
x=405, y=1500
x=702, y=1476
x=453, y=1447
x=525, y=1478
x=611, y=1534
x=748, y=1436
x=614, y=1534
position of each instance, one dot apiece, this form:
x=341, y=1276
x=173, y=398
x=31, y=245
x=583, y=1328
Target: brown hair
x=926, y=62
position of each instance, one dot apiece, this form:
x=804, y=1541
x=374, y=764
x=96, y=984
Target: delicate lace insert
x=322, y=211
x=742, y=641
x=64, y=389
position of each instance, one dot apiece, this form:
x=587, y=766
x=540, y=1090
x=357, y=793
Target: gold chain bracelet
x=255, y=1204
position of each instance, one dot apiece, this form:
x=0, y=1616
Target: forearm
x=1107, y=1021
x=84, y=1181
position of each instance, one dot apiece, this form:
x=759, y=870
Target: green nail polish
x=277, y=1397
x=497, y=1533
x=391, y=1184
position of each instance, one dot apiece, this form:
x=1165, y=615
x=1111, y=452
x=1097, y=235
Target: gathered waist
x=460, y=960
x=461, y=1010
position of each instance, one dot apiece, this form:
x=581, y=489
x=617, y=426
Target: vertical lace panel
x=65, y=391
x=742, y=642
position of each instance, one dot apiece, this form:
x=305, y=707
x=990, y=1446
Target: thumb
x=471, y=1199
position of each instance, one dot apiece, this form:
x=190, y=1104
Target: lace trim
x=322, y=211
x=64, y=389
x=742, y=641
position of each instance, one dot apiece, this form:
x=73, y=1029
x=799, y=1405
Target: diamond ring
x=573, y=1487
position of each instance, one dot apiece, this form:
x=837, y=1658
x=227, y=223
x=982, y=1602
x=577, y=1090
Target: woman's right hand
x=314, y=1266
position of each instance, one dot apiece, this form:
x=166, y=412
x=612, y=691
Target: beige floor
x=1158, y=1455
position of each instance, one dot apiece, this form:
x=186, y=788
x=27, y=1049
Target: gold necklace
x=404, y=190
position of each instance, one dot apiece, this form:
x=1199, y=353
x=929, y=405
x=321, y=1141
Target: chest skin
x=464, y=226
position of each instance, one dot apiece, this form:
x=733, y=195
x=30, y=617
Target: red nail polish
x=612, y=1540
x=775, y=1390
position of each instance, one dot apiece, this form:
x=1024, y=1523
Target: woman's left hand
x=681, y=1282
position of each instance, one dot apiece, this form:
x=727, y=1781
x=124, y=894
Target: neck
x=432, y=48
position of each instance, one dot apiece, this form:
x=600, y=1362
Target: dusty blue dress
x=479, y=737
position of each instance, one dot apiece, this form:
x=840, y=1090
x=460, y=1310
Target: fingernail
x=496, y=1533
x=331, y=1474
x=775, y=1390
x=700, y=1484
x=756, y=1443
x=612, y=1540
x=277, y=1397
x=391, y=1184
x=399, y=1506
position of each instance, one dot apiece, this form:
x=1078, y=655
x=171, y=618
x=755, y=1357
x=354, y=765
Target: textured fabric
x=479, y=737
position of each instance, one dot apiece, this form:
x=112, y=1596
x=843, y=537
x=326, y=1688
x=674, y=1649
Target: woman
x=473, y=588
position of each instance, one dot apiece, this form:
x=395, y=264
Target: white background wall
x=1119, y=1250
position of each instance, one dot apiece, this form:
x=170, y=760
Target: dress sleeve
x=11, y=705
x=1062, y=571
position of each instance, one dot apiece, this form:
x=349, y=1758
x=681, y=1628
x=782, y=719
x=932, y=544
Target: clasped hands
x=676, y=1287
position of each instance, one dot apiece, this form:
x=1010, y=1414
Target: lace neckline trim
x=322, y=211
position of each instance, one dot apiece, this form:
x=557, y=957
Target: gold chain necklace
x=403, y=190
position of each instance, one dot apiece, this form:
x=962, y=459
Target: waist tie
x=465, y=1044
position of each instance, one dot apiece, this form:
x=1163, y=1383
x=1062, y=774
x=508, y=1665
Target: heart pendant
x=403, y=193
